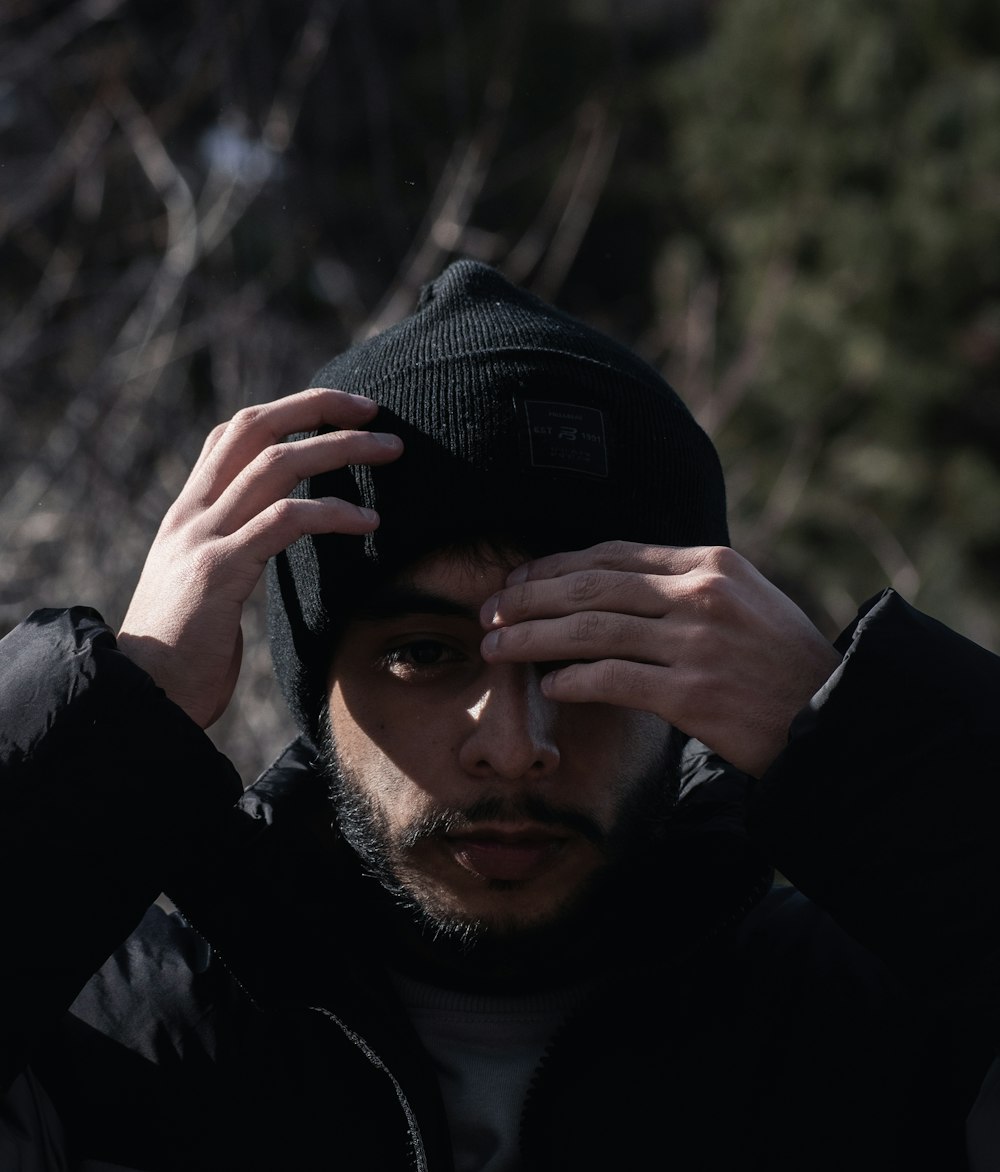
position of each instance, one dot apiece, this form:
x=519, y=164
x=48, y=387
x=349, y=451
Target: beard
x=503, y=943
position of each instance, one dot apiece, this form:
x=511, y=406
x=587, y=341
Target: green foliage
x=841, y=166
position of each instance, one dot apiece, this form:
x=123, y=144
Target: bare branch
x=54, y=36
x=736, y=380
x=84, y=137
x=182, y=247
x=591, y=174
x=461, y=181
x=229, y=192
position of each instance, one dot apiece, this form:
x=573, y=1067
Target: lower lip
x=513, y=861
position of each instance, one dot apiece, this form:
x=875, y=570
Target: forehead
x=449, y=581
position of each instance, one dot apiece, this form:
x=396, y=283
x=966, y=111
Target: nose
x=513, y=727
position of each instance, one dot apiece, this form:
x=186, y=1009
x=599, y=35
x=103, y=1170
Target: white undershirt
x=485, y=1049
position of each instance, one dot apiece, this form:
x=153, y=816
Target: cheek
x=406, y=743
x=387, y=770
x=615, y=750
x=404, y=726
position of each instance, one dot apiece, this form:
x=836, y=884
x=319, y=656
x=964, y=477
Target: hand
x=697, y=636
x=183, y=624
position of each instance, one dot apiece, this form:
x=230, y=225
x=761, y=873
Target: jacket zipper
x=418, y=1155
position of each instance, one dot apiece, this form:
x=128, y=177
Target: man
x=539, y=690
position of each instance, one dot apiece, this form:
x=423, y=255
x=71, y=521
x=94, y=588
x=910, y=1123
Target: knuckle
x=318, y=395
x=275, y=456
x=584, y=585
x=519, y=600
x=709, y=591
x=722, y=559
x=282, y=512
x=619, y=675
x=551, y=565
x=510, y=640
x=176, y=519
x=586, y=626
x=521, y=636
x=612, y=553
x=248, y=418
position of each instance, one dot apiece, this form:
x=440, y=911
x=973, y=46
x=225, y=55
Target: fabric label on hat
x=567, y=436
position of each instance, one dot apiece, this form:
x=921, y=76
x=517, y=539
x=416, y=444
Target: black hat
x=519, y=424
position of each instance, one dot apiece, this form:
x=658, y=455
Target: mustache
x=498, y=809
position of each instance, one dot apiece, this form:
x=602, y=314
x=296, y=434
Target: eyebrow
x=395, y=601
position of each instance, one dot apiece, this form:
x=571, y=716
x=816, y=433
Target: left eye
x=419, y=654
x=425, y=653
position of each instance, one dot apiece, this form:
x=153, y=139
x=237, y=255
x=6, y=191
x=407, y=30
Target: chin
x=499, y=910
x=502, y=936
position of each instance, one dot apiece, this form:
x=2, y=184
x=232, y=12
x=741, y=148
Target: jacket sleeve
x=107, y=790
x=885, y=806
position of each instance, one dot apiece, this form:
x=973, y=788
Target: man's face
x=484, y=803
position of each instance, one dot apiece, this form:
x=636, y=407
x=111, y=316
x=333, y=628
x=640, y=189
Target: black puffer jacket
x=254, y=1028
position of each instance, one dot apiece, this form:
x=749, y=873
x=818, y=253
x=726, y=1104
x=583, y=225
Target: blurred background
x=791, y=209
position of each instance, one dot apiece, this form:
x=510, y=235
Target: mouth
x=515, y=854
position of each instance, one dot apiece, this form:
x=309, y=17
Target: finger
x=278, y=469
x=286, y=520
x=623, y=682
x=254, y=429
x=612, y=555
x=686, y=698
x=587, y=635
x=745, y=728
x=647, y=595
x=207, y=448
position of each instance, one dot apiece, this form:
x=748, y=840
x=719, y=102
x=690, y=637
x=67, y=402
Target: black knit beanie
x=519, y=425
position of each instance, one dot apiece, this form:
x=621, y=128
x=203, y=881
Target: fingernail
x=363, y=399
x=517, y=575
x=490, y=642
x=488, y=611
x=369, y=515
x=387, y=439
